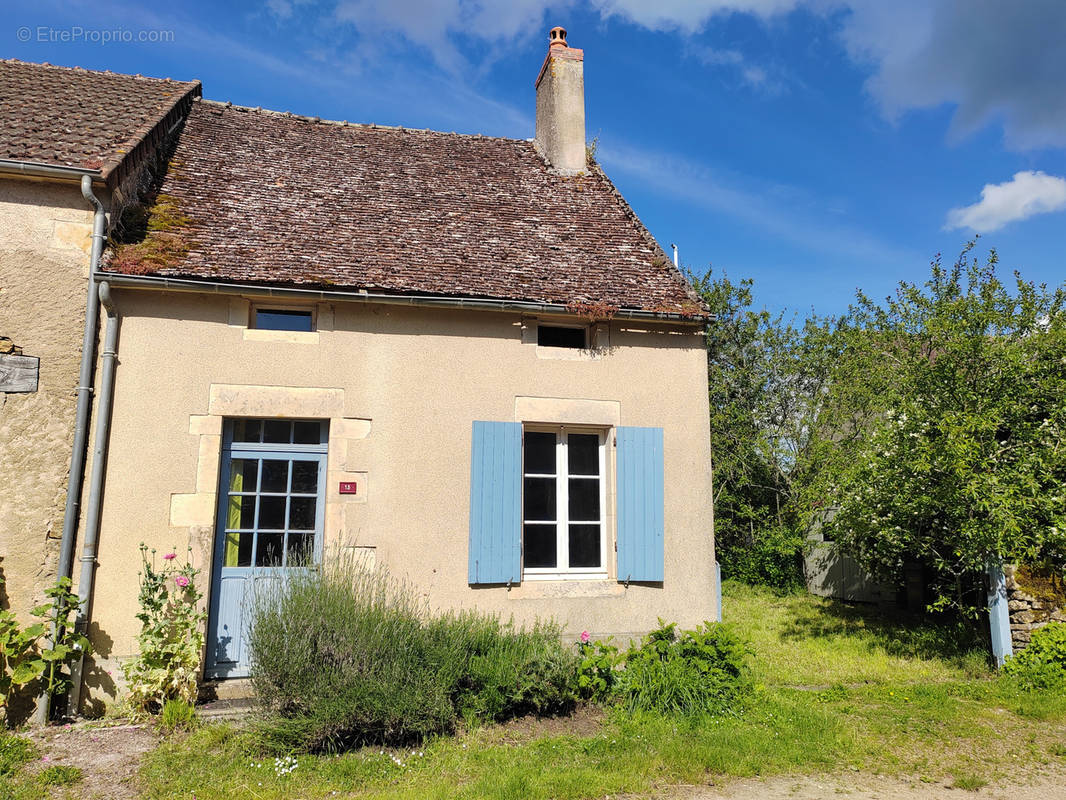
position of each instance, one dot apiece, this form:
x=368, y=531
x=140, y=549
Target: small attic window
x=282, y=319
x=574, y=337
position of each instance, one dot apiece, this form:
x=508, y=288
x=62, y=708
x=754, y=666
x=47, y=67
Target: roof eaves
x=201, y=285
x=37, y=169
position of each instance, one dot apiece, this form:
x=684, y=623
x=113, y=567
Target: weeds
x=177, y=715
x=14, y=753
x=970, y=783
x=1041, y=665
x=59, y=775
x=703, y=671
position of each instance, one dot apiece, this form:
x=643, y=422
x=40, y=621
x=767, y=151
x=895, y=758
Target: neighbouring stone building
x=56, y=126
x=461, y=358
x=1035, y=597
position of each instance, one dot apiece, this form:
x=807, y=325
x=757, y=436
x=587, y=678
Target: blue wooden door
x=270, y=512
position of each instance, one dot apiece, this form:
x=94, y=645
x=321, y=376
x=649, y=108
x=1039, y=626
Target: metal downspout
x=101, y=431
x=76, y=474
x=85, y=389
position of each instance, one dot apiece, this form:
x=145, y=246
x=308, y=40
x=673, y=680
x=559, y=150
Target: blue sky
x=815, y=146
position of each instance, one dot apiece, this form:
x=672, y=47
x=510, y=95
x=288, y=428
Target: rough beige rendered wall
x=45, y=230
x=401, y=388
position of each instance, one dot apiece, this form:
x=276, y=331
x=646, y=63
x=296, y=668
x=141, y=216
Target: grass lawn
x=838, y=689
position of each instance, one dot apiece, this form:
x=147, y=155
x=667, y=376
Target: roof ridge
x=139, y=136
x=97, y=71
x=347, y=124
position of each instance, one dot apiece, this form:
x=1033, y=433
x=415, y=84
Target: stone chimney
x=561, y=106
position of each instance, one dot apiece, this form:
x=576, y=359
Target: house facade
x=460, y=359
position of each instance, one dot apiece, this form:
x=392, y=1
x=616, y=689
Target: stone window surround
x=196, y=510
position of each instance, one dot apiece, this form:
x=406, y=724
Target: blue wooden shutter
x=640, y=504
x=495, y=502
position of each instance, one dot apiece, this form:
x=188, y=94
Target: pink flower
x=182, y=581
x=585, y=637
x=170, y=556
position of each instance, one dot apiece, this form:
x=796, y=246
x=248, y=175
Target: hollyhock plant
x=171, y=638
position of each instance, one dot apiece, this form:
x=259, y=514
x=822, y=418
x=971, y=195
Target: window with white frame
x=564, y=528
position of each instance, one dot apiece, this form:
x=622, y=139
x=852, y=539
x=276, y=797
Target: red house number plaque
x=347, y=487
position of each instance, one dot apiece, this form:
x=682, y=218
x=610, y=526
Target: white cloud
x=751, y=74
x=433, y=25
x=689, y=16
x=992, y=60
x=1023, y=196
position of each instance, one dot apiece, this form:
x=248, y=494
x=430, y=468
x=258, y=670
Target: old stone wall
x=1035, y=597
x=45, y=230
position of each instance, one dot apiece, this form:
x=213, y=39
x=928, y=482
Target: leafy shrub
x=597, y=676
x=1041, y=665
x=497, y=671
x=26, y=655
x=341, y=657
x=703, y=671
x=171, y=637
x=772, y=556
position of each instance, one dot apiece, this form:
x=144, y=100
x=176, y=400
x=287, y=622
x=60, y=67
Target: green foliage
x=902, y=700
x=177, y=715
x=14, y=753
x=1041, y=665
x=29, y=655
x=765, y=377
x=59, y=775
x=703, y=671
x=597, y=674
x=941, y=430
x=969, y=782
x=768, y=556
x=171, y=637
x=341, y=656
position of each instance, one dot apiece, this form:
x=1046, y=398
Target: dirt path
x=108, y=757
x=1050, y=786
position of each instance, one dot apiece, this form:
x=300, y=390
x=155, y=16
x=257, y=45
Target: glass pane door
x=270, y=517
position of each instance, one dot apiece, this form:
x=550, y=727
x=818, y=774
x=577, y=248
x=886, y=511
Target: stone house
x=58, y=128
x=459, y=358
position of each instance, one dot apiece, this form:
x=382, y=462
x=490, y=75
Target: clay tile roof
x=71, y=117
x=269, y=198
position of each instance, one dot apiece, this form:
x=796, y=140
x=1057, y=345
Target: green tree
x=941, y=432
x=766, y=377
